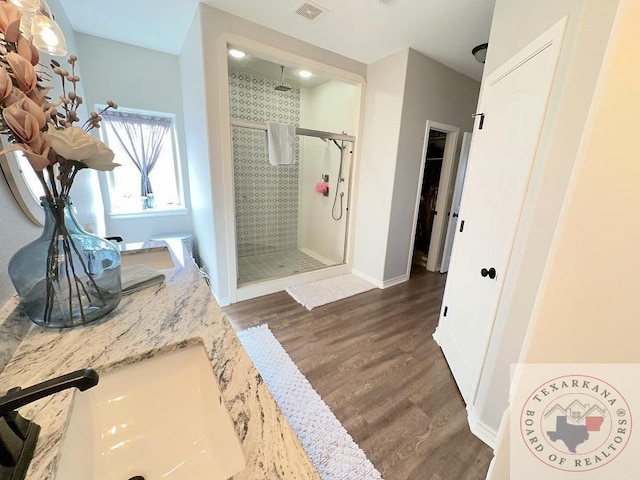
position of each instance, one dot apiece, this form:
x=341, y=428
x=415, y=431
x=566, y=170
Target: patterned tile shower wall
x=266, y=196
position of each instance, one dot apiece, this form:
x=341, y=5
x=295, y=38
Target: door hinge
x=461, y=225
x=481, y=115
x=446, y=309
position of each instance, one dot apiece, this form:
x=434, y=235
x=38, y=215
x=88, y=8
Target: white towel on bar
x=281, y=139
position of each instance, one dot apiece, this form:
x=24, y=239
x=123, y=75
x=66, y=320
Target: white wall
x=207, y=104
x=516, y=23
x=382, y=118
x=432, y=92
x=331, y=107
x=196, y=141
x=588, y=306
x=142, y=79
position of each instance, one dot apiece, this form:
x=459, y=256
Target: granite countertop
x=155, y=320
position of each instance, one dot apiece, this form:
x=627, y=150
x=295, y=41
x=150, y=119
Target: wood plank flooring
x=372, y=359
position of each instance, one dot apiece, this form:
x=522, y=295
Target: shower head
x=282, y=87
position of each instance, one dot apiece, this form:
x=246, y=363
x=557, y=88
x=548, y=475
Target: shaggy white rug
x=321, y=292
x=331, y=449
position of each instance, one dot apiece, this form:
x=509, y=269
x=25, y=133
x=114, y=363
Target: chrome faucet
x=18, y=435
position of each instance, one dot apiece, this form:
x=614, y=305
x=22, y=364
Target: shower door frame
x=272, y=285
x=230, y=293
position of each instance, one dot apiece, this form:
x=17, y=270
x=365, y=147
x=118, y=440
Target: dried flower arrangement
x=57, y=149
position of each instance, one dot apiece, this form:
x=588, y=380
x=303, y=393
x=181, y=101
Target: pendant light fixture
x=480, y=52
x=37, y=24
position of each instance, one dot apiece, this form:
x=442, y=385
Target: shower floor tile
x=255, y=268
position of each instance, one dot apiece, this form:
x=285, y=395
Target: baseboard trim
x=223, y=301
x=491, y=467
x=395, y=281
x=367, y=278
x=382, y=284
x=437, y=335
x=481, y=429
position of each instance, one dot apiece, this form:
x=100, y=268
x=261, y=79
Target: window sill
x=147, y=213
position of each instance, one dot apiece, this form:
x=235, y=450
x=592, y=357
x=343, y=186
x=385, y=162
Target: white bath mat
x=329, y=446
x=321, y=292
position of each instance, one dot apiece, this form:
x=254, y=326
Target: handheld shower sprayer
x=339, y=180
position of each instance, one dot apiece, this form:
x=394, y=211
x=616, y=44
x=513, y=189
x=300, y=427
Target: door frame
x=461, y=171
x=276, y=55
x=433, y=264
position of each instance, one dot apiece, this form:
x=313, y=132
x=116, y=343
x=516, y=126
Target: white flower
x=73, y=143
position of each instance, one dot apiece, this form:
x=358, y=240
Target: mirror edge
x=23, y=195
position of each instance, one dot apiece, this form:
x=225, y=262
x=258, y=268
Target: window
x=149, y=179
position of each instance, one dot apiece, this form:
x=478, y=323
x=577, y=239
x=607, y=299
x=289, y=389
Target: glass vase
x=67, y=277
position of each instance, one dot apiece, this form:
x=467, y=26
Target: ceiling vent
x=310, y=11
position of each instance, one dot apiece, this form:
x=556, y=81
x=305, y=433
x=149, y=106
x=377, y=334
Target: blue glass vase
x=67, y=277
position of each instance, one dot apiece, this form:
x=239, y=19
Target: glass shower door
x=285, y=223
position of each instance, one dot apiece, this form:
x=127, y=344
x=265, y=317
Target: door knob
x=491, y=273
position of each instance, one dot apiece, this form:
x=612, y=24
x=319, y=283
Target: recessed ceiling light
x=305, y=74
x=237, y=53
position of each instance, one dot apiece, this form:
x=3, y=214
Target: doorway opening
x=428, y=196
x=434, y=196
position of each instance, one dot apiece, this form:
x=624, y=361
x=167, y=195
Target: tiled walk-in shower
x=256, y=268
x=283, y=225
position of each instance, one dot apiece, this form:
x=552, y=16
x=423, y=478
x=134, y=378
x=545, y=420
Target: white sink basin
x=162, y=418
x=158, y=258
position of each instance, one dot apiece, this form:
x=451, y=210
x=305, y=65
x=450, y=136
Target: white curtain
x=141, y=136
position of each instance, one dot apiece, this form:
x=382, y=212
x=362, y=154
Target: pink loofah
x=321, y=187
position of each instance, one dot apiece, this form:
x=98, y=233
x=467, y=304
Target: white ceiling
x=365, y=30
x=255, y=65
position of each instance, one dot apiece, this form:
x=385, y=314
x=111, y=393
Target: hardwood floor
x=372, y=359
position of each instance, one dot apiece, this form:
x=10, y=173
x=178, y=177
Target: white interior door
x=513, y=103
x=454, y=211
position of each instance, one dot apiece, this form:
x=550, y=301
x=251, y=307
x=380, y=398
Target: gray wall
x=404, y=90
x=432, y=92
x=382, y=118
x=142, y=79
